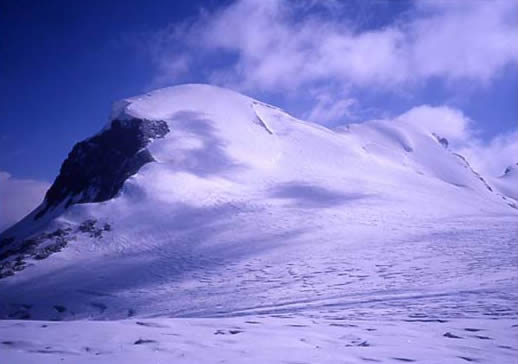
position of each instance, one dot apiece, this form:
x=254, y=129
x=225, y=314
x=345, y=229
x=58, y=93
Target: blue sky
x=63, y=64
x=333, y=62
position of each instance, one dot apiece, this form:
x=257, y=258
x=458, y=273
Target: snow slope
x=244, y=210
x=507, y=183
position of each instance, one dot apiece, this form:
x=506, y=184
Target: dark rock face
x=467, y=165
x=16, y=256
x=14, y=259
x=97, y=167
x=442, y=141
x=510, y=168
x=89, y=227
x=94, y=171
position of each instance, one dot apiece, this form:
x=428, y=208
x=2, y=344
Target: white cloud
x=330, y=106
x=271, y=46
x=490, y=157
x=464, y=39
x=285, y=47
x=493, y=157
x=18, y=197
x=444, y=121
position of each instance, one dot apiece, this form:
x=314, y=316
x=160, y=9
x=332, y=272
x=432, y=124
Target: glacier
x=245, y=234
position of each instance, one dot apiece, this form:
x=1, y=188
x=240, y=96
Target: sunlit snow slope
x=233, y=207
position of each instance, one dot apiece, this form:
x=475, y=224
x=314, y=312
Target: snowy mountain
x=197, y=201
x=507, y=184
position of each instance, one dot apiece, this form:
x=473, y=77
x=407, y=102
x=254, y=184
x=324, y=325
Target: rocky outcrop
x=442, y=141
x=94, y=171
x=475, y=173
x=97, y=167
x=510, y=169
x=16, y=256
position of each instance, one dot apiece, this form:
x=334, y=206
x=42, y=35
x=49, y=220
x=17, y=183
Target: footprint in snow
x=144, y=341
x=50, y=351
x=482, y=337
x=451, y=336
x=466, y=358
x=151, y=324
x=370, y=360
x=404, y=360
x=231, y=332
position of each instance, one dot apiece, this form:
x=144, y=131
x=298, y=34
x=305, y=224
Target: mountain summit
x=197, y=200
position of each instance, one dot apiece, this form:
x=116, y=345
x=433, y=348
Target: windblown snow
x=370, y=242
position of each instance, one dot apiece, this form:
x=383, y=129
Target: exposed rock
x=467, y=165
x=509, y=169
x=97, y=167
x=449, y=335
x=89, y=227
x=6, y=242
x=14, y=255
x=442, y=141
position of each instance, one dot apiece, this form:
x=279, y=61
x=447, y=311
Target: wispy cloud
x=490, y=157
x=444, y=121
x=494, y=156
x=268, y=44
x=330, y=105
x=312, y=51
x=18, y=197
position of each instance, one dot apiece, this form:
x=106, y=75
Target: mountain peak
x=164, y=102
x=96, y=168
x=204, y=173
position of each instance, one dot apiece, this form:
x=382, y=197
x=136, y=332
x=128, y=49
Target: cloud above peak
x=275, y=45
x=490, y=157
x=494, y=156
x=444, y=121
x=327, y=55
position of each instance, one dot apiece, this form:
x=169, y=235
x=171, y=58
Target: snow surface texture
x=372, y=242
x=261, y=339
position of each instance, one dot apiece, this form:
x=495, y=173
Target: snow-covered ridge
x=507, y=183
x=236, y=198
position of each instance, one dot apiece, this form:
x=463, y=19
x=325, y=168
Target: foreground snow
x=446, y=296
x=260, y=339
